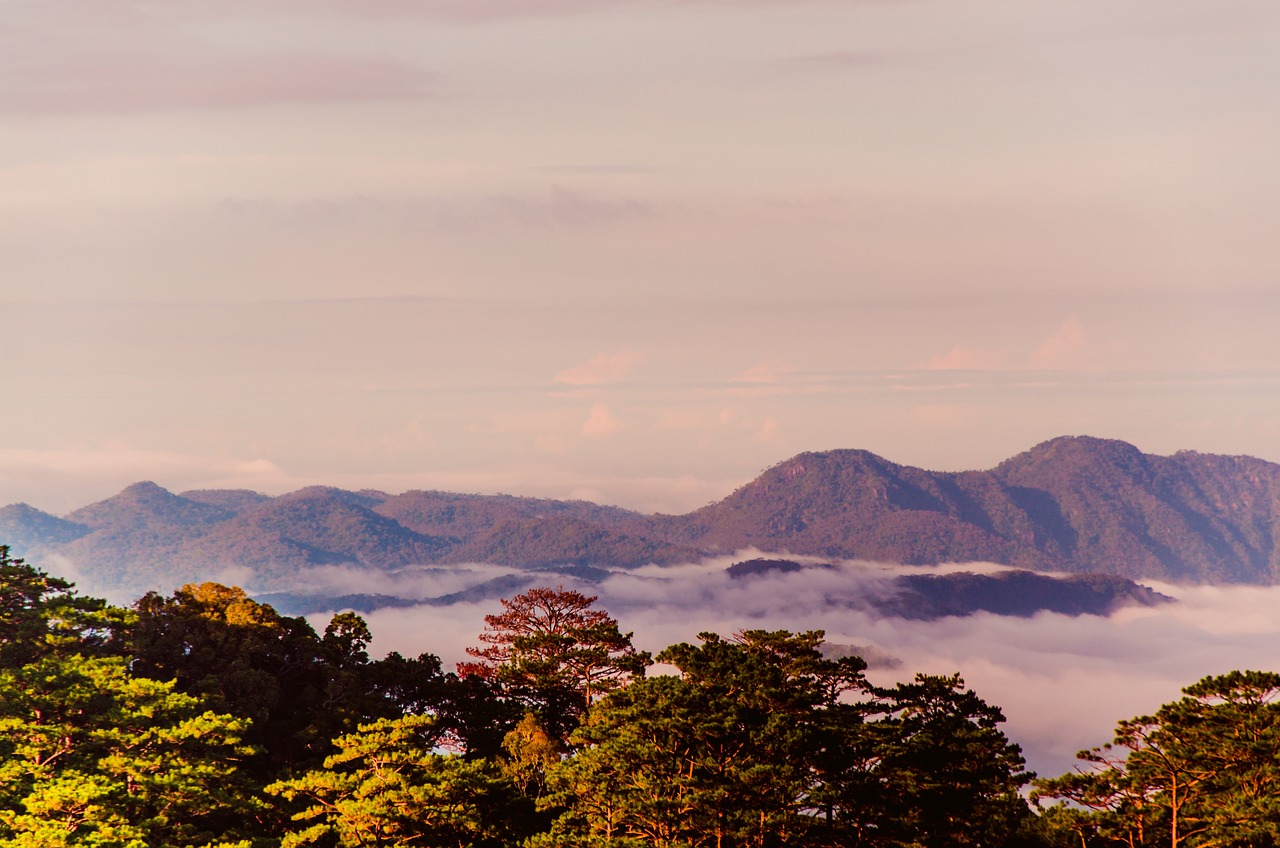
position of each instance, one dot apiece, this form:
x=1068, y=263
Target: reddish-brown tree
x=551, y=649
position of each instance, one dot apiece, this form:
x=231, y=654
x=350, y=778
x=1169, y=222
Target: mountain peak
x=1067, y=452
x=147, y=502
x=145, y=489
x=22, y=526
x=1082, y=446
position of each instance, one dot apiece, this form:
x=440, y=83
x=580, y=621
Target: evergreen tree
x=300, y=689
x=217, y=643
x=387, y=786
x=1202, y=771
x=42, y=615
x=719, y=756
x=90, y=755
x=555, y=654
x=948, y=777
x=760, y=741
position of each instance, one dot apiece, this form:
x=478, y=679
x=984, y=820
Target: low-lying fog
x=1062, y=682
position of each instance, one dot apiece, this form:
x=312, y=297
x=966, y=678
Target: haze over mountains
x=1073, y=504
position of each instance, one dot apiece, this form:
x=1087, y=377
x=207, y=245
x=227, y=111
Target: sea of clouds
x=1063, y=682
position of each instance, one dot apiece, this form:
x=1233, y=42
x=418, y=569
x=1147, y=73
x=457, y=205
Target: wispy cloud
x=764, y=372
x=555, y=208
x=964, y=357
x=1067, y=348
x=86, y=82
x=602, y=369
x=837, y=60
x=485, y=11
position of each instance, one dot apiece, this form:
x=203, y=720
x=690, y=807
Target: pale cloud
x=114, y=460
x=128, y=83
x=764, y=379
x=602, y=369
x=764, y=371
x=469, y=11
x=392, y=210
x=256, y=467
x=601, y=422
x=769, y=433
x=1067, y=348
x=966, y=358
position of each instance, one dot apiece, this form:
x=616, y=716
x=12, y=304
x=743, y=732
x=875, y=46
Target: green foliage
x=531, y=752
x=217, y=643
x=758, y=743
x=946, y=775
x=300, y=690
x=42, y=615
x=93, y=756
x=1202, y=771
x=386, y=786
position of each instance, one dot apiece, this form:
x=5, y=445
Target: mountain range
x=1071, y=504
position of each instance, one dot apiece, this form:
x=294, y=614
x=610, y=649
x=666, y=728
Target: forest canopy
x=205, y=718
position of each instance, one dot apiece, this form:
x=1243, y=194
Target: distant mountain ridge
x=1075, y=504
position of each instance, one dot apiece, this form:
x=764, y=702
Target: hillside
x=1074, y=504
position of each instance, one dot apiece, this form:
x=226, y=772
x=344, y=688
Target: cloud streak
x=109, y=83
x=602, y=369
x=1067, y=348
x=71, y=57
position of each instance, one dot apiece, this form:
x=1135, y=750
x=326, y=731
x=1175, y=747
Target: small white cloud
x=769, y=433
x=601, y=369
x=254, y=467
x=601, y=422
x=1066, y=349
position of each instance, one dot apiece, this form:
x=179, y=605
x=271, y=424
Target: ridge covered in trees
x=1075, y=504
x=204, y=718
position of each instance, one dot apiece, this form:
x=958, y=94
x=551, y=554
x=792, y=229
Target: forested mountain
x=1072, y=504
x=1075, y=504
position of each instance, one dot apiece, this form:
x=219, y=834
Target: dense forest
x=205, y=718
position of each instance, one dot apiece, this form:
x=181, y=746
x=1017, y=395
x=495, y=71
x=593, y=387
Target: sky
x=632, y=251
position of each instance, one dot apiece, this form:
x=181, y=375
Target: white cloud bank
x=1062, y=682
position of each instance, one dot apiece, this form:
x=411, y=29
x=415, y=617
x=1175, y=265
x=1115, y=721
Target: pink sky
x=629, y=251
